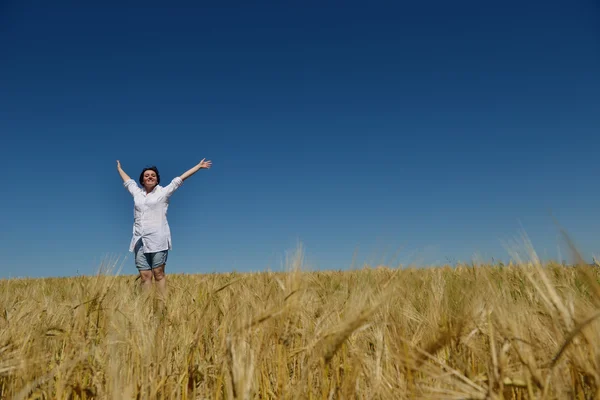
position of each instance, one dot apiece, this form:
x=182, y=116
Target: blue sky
x=379, y=132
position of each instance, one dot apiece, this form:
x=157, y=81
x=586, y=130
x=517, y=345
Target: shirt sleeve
x=132, y=187
x=173, y=186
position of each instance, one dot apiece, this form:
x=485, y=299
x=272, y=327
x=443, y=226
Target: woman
x=151, y=240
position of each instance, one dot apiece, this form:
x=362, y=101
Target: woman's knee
x=146, y=275
x=159, y=272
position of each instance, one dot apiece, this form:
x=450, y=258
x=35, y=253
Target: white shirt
x=150, y=215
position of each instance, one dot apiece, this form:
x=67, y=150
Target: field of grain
x=465, y=332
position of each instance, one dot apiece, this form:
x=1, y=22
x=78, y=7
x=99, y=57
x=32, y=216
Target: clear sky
x=379, y=132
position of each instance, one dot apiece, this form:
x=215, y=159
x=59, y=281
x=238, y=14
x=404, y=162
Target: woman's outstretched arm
x=201, y=165
x=122, y=173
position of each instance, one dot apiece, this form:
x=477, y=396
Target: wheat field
x=521, y=331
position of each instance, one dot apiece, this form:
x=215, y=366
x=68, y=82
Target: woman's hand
x=205, y=164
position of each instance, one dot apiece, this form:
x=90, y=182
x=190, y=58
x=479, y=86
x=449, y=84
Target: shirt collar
x=153, y=190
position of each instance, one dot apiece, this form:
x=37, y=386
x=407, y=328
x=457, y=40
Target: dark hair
x=152, y=168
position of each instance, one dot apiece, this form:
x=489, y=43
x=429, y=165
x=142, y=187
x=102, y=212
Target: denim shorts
x=148, y=261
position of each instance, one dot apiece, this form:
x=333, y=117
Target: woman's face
x=149, y=179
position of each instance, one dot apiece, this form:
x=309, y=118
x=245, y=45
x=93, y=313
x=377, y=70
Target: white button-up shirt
x=150, y=215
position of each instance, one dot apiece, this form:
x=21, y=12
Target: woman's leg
x=161, y=280
x=143, y=266
x=146, y=277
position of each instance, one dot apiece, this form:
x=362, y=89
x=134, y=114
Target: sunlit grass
x=520, y=331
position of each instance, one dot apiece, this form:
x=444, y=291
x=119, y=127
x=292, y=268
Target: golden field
x=520, y=331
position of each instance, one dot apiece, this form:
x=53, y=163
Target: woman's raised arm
x=201, y=165
x=122, y=173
